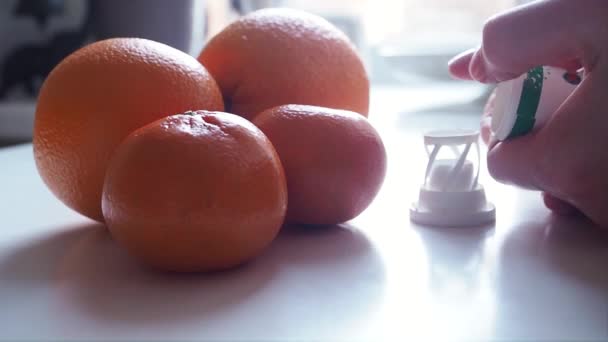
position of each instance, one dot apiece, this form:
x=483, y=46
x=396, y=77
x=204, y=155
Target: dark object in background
x=24, y=66
x=237, y=6
x=37, y=34
x=166, y=21
x=41, y=10
x=29, y=64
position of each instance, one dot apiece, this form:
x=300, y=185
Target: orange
x=97, y=96
x=334, y=161
x=196, y=192
x=273, y=57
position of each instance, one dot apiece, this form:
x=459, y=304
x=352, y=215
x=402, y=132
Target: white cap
x=526, y=103
x=451, y=195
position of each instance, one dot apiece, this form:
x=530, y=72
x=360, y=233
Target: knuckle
x=496, y=167
x=493, y=170
x=515, y=163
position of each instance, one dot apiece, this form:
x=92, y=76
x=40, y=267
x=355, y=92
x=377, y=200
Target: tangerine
x=98, y=95
x=195, y=192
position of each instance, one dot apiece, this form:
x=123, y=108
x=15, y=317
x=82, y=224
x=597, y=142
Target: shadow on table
x=570, y=247
x=323, y=246
x=87, y=270
x=34, y=264
x=581, y=252
x=550, y=276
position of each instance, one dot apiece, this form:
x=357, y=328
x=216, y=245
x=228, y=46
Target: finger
x=559, y=206
x=540, y=33
x=459, y=65
x=478, y=69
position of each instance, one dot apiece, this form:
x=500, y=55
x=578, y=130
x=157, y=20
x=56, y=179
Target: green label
x=528, y=102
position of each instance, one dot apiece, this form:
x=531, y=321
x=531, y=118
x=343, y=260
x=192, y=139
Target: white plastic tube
x=526, y=103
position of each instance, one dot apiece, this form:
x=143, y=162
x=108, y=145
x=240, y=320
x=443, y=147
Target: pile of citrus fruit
x=195, y=165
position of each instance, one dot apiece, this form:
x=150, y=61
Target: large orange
x=334, y=161
x=195, y=192
x=97, y=96
x=273, y=57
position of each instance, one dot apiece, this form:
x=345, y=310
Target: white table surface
x=530, y=276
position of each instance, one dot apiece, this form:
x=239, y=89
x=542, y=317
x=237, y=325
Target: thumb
x=515, y=162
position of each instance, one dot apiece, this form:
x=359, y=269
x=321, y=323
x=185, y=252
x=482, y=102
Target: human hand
x=568, y=157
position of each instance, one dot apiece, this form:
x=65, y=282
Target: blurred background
x=404, y=43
